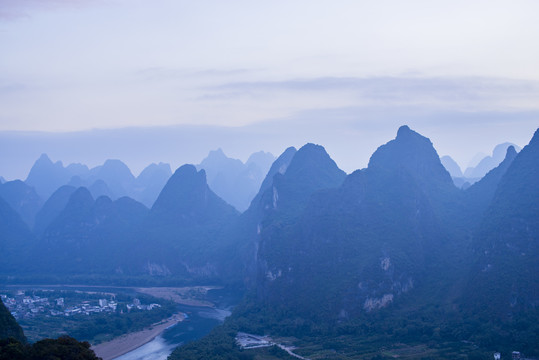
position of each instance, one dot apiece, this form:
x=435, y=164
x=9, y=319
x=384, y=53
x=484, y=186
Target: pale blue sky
x=75, y=65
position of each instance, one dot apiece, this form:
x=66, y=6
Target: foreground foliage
x=63, y=348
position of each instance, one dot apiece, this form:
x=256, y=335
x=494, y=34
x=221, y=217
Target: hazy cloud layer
x=457, y=93
x=350, y=135
x=16, y=9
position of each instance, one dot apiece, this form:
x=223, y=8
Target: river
x=199, y=322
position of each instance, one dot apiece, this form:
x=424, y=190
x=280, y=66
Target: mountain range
x=394, y=253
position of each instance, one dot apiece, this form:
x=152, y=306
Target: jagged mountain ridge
x=113, y=179
x=365, y=243
x=46, y=176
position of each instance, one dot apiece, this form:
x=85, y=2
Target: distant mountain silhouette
x=22, y=198
x=116, y=175
x=451, y=166
x=237, y=183
x=479, y=195
x=150, y=182
x=489, y=162
x=46, y=176
x=112, y=179
x=100, y=188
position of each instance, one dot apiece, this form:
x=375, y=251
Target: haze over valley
x=269, y=180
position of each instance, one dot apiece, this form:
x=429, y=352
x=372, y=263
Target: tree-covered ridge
x=8, y=325
x=399, y=262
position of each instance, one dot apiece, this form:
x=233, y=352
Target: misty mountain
x=115, y=174
x=46, y=176
x=237, y=183
x=489, y=162
x=451, y=166
x=113, y=179
x=479, y=195
x=100, y=188
x=397, y=254
x=285, y=191
x=182, y=234
x=52, y=208
x=89, y=236
x=22, y=198
x=360, y=247
x=507, y=245
x=393, y=251
x=150, y=182
x=15, y=239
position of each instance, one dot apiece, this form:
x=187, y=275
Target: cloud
x=467, y=93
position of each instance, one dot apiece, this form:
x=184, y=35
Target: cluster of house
x=23, y=307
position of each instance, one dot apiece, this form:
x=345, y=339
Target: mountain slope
x=22, y=198
x=15, y=240
x=182, y=233
x=88, y=236
x=8, y=325
x=360, y=247
x=507, y=243
x=52, y=208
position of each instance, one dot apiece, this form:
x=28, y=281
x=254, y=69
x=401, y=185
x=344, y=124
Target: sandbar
x=129, y=342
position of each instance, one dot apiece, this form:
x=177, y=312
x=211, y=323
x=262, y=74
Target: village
x=23, y=306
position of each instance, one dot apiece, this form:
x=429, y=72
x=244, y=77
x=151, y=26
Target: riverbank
x=129, y=342
x=189, y=295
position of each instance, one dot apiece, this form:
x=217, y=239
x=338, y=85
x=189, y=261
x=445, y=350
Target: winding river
x=199, y=322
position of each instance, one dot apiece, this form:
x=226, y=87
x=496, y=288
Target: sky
x=262, y=75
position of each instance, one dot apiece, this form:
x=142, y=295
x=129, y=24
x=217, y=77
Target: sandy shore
x=129, y=342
